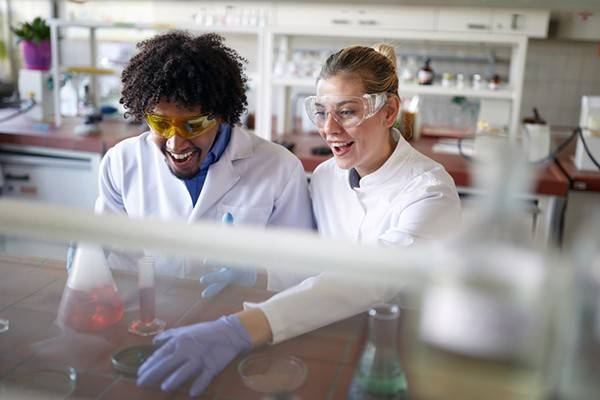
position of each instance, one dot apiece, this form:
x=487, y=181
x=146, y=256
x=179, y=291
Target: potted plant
x=34, y=38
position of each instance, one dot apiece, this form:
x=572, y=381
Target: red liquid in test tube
x=148, y=324
x=147, y=304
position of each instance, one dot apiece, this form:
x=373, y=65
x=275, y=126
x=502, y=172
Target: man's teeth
x=181, y=156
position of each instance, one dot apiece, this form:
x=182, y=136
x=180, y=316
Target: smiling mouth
x=180, y=158
x=341, y=148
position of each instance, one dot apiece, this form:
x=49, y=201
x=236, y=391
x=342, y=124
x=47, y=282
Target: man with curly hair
x=194, y=163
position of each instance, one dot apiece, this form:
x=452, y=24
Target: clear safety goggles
x=348, y=111
x=188, y=127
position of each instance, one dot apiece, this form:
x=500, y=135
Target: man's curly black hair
x=187, y=70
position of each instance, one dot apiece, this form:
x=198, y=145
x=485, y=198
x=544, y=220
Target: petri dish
x=127, y=360
x=272, y=373
x=34, y=380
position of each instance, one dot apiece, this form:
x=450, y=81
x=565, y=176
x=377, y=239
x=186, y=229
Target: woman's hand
x=197, y=352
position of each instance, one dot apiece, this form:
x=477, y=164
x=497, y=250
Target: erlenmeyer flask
x=90, y=300
x=379, y=374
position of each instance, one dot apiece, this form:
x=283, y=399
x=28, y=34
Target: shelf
x=436, y=90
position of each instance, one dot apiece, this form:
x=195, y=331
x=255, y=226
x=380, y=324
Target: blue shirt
x=195, y=184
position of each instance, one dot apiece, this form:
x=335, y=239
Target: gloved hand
x=217, y=280
x=197, y=351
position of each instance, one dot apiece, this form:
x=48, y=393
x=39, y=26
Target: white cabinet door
x=391, y=17
x=464, y=20
x=373, y=16
x=66, y=182
x=294, y=15
x=533, y=23
x=66, y=179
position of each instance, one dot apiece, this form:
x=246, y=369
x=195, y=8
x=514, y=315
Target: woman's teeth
x=339, y=146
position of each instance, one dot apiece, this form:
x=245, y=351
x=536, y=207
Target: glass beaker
x=379, y=374
x=90, y=300
x=148, y=324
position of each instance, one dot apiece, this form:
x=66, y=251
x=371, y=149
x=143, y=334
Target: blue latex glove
x=218, y=280
x=197, y=351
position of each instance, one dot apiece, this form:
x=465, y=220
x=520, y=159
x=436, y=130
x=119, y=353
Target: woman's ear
x=392, y=109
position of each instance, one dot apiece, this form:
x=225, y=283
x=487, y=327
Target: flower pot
x=36, y=55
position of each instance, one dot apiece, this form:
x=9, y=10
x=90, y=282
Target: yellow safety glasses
x=188, y=127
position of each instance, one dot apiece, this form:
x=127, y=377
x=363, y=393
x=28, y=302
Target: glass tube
x=147, y=324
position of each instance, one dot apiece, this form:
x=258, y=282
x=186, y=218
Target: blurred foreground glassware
x=128, y=360
x=579, y=361
x=35, y=380
x=4, y=325
x=90, y=301
x=379, y=374
x=277, y=376
x=484, y=325
x=148, y=324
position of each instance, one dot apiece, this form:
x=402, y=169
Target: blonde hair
x=376, y=66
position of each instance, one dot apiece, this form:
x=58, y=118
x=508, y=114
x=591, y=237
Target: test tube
x=147, y=324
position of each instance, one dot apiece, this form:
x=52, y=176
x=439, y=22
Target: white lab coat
x=260, y=183
x=410, y=198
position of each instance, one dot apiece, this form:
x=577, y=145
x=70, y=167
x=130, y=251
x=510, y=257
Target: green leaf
x=36, y=30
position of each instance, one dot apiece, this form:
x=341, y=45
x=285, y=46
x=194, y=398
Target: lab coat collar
x=222, y=175
x=391, y=167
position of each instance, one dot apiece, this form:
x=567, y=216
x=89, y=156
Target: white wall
x=557, y=74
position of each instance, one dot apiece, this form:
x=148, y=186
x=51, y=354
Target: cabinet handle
x=369, y=22
x=479, y=27
x=24, y=177
x=340, y=21
x=515, y=19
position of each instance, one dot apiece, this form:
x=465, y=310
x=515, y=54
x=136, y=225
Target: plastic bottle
x=68, y=99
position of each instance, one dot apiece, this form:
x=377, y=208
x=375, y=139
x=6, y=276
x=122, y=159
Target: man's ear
x=392, y=109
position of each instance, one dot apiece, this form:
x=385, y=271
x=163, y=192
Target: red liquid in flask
x=147, y=304
x=91, y=310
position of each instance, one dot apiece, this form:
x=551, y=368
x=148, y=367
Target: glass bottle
x=379, y=374
x=426, y=75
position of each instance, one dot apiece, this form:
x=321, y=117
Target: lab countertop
x=30, y=293
x=21, y=130
x=550, y=178
x=587, y=181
